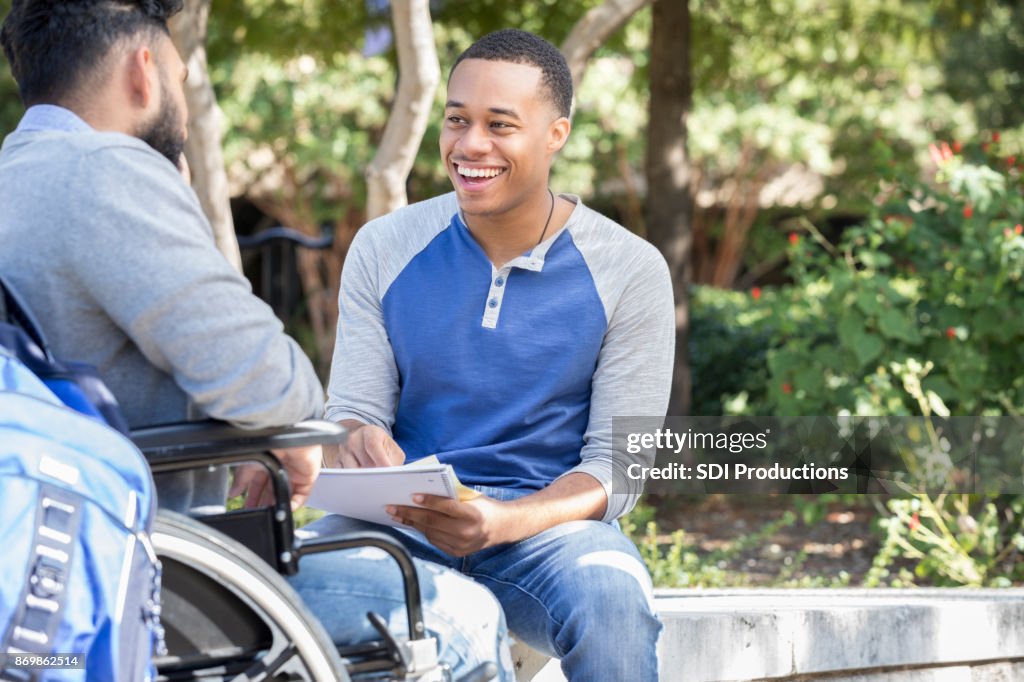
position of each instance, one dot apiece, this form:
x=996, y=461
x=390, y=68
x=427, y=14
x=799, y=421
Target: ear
x=141, y=76
x=558, y=133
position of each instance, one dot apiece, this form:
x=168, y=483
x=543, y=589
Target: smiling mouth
x=476, y=176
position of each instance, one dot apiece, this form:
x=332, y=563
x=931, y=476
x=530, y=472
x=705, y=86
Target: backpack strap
x=14, y=310
x=39, y=613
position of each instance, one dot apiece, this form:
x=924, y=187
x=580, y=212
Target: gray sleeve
x=364, y=378
x=364, y=381
x=152, y=265
x=634, y=371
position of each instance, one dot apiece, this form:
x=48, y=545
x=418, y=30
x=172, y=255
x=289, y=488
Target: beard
x=164, y=133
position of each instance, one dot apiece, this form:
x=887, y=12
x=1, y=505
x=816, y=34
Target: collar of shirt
x=534, y=258
x=52, y=117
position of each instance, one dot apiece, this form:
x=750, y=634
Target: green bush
x=952, y=540
x=730, y=334
x=676, y=560
x=915, y=310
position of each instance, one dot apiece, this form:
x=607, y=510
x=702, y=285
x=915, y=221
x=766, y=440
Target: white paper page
x=363, y=493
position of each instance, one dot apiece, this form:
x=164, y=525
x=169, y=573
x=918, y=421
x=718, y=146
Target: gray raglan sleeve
x=364, y=378
x=152, y=265
x=633, y=375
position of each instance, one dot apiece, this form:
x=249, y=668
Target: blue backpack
x=79, y=595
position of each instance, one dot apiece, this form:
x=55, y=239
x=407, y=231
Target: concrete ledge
x=853, y=635
x=884, y=635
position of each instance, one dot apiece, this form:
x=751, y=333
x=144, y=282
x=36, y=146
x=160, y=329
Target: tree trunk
x=203, y=148
x=669, y=203
x=593, y=30
x=418, y=76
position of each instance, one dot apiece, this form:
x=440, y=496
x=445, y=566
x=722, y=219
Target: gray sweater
x=111, y=250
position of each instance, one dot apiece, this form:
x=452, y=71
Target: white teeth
x=480, y=172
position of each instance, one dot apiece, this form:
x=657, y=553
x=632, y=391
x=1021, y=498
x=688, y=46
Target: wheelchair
x=226, y=611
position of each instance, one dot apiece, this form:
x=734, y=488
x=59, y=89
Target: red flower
x=957, y=146
x=968, y=211
x=950, y=333
x=794, y=238
x=755, y=293
x=1018, y=228
x=915, y=522
x=995, y=136
x=1010, y=160
x=787, y=389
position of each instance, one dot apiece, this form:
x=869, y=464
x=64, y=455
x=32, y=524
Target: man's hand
x=367, y=446
x=460, y=528
x=302, y=465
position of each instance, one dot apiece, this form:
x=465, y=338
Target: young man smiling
x=501, y=327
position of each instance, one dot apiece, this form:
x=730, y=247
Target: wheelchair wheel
x=227, y=615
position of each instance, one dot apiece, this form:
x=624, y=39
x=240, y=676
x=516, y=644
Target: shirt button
x=493, y=303
x=499, y=282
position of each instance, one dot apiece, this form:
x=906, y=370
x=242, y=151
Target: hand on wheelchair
x=303, y=467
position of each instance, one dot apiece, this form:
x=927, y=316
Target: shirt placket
x=499, y=286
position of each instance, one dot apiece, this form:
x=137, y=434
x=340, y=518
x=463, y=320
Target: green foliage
x=953, y=540
x=548, y=18
x=676, y=561
x=285, y=29
x=902, y=316
x=730, y=333
x=837, y=75
x=10, y=101
x=300, y=517
x=811, y=509
x=983, y=59
x=906, y=315
x=304, y=125
x=11, y=108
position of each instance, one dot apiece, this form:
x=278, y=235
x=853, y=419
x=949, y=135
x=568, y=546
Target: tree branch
x=419, y=74
x=203, y=147
x=591, y=31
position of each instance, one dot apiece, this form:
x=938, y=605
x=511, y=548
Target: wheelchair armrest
x=193, y=445
x=189, y=440
x=394, y=549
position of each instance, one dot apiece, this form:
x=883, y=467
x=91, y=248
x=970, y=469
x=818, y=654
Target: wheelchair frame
x=261, y=541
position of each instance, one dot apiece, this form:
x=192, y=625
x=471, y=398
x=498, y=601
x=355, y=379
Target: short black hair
x=521, y=47
x=53, y=45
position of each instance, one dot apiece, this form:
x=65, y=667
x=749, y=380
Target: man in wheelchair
x=109, y=246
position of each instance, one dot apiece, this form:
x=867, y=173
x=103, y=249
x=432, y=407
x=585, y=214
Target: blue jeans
x=340, y=587
x=578, y=592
